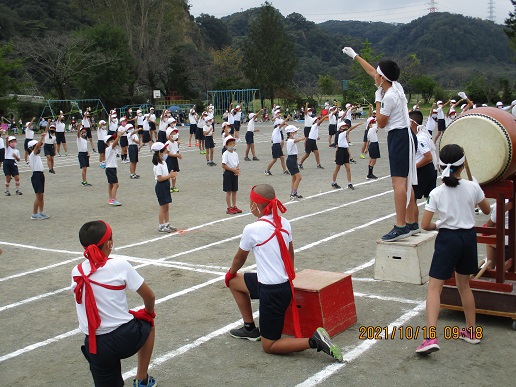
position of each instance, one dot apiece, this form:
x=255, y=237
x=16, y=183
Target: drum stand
x=494, y=290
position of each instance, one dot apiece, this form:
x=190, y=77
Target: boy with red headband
x=270, y=238
x=112, y=331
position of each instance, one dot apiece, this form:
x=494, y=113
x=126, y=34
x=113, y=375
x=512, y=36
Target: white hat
x=102, y=122
x=109, y=137
x=370, y=119
x=513, y=102
x=309, y=109
x=129, y=126
x=11, y=138
x=157, y=146
x=439, y=102
x=453, y=101
x=499, y=103
x=52, y=125
x=461, y=107
x=171, y=120
x=341, y=114
x=113, y=115
x=291, y=129
x=348, y=105
x=251, y=115
x=138, y=111
x=31, y=143
x=484, y=105
x=227, y=139
x=151, y=108
x=27, y=124
x=168, y=131
x=237, y=107
x=435, y=111
x=124, y=118
x=374, y=111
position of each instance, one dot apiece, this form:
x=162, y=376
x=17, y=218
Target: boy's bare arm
x=291, y=251
x=238, y=260
x=148, y=297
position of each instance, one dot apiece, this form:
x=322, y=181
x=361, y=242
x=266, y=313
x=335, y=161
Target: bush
x=441, y=94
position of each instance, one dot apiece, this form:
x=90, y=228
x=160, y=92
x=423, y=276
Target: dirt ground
x=333, y=230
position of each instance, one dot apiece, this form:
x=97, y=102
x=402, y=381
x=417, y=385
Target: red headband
x=92, y=252
x=273, y=205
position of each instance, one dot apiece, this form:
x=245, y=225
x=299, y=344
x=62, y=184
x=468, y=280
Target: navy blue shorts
x=88, y=132
x=26, y=144
x=84, y=159
x=112, y=177
x=441, y=125
x=146, y=136
x=332, y=129
x=123, y=342
x=2, y=155
x=398, y=145
x=172, y=164
x=277, y=152
x=162, y=190
x=249, y=137
x=49, y=150
x=236, y=125
x=133, y=153
x=193, y=128
x=274, y=301
x=199, y=134
x=38, y=181
x=310, y=145
x=208, y=142
x=60, y=138
x=374, y=150
x=365, y=135
x=426, y=181
x=10, y=168
x=101, y=146
x=292, y=166
x=455, y=250
x=342, y=156
x=229, y=181
x=124, y=141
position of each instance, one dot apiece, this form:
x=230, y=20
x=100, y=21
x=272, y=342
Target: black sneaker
x=335, y=185
x=255, y=158
x=7, y=193
x=285, y=172
x=51, y=171
x=300, y=166
x=324, y=343
x=242, y=333
x=268, y=173
x=396, y=233
x=320, y=166
x=247, y=159
x=352, y=160
x=298, y=196
x=372, y=177
x=18, y=192
x=414, y=228
x=350, y=186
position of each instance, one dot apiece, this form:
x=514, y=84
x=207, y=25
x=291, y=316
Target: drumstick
x=468, y=171
x=483, y=269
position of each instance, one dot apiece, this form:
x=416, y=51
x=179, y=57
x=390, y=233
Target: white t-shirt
x=431, y=124
x=440, y=113
x=132, y=139
x=231, y=118
x=207, y=131
x=372, y=133
x=269, y=264
x=238, y=116
x=2, y=143
x=111, y=157
x=60, y=127
x=50, y=140
x=423, y=146
x=85, y=122
x=314, y=131
x=349, y=114
x=163, y=124
x=112, y=304
x=146, y=126
x=121, y=129
x=10, y=152
x=276, y=135
x=160, y=170
x=113, y=125
x=192, y=117
x=230, y=159
x=152, y=117
x=332, y=119
x=343, y=141
x=139, y=120
x=35, y=162
x=29, y=133
x=82, y=144
x=172, y=147
x=455, y=206
x=101, y=133
x=309, y=121
x=392, y=107
x=291, y=147
x=250, y=125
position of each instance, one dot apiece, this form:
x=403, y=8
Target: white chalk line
x=359, y=350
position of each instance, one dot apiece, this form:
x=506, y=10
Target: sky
x=393, y=11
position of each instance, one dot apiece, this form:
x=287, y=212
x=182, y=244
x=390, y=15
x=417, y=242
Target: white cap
x=499, y=103
x=102, y=122
x=31, y=143
x=168, y=131
x=138, y=111
x=374, y=111
x=129, y=126
x=124, y=118
x=291, y=129
x=513, y=102
x=341, y=114
x=370, y=119
x=439, y=102
x=348, y=105
x=225, y=123
x=109, y=137
x=484, y=105
x=52, y=125
x=237, y=107
x=227, y=139
x=251, y=115
x=27, y=124
x=171, y=120
x=157, y=146
x=11, y=138
x=453, y=101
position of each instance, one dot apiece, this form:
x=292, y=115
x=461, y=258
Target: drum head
x=485, y=141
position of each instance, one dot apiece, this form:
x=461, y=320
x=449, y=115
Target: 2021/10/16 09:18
x=396, y=332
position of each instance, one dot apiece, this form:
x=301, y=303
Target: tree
x=510, y=26
x=483, y=88
x=269, y=59
x=362, y=83
x=214, y=30
x=326, y=84
x=227, y=64
x=425, y=85
x=410, y=69
x=8, y=65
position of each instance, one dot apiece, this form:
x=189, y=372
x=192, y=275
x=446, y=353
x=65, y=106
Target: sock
x=335, y=182
x=17, y=186
x=312, y=343
x=370, y=170
x=249, y=326
x=349, y=182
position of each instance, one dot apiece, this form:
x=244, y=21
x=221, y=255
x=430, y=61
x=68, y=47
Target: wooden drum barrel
x=488, y=136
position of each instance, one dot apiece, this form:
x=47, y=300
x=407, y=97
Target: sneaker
x=203, y=152
x=150, y=383
x=396, y=233
x=52, y=171
x=298, y=196
x=242, y=333
x=237, y=210
x=66, y=154
x=163, y=229
x=320, y=166
x=102, y=165
x=362, y=156
x=86, y=184
x=255, y=158
x=247, y=159
x=352, y=160
x=466, y=336
x=175, y=189
x=477, y=211
x=111, y=201
x=94, y=150
x=286, y=172
x=300, y=166
x=35, y=217
x=293, y=197
x=58, y=154
x=350, y=143
x=171, y=190
x=116, y=203
x=42, y=215
x=268, y=173
x=238, y=140
x=414, y=228
x=172, y=229
x=18, y=192
x=213, y=164
x=371, y=177
x=134, y=176
x=428, y=346
x=230, y=211
x=324, y=343
x=350, y=186
x=7, y=193
x=335, y=185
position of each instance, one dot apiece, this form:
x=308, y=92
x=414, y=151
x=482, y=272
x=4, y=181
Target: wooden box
x=324, y=299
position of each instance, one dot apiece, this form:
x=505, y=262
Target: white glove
x=463, y=95
x=349, y=52
x=378, y=95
